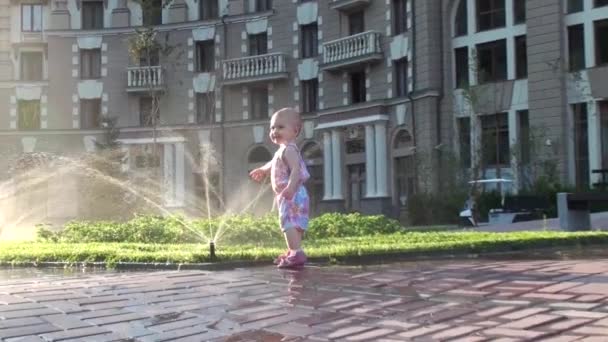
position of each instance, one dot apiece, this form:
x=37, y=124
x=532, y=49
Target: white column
x=168, y=174
x=513, y=139
x=336, y=165
x=381, y=171
x=179, y=174
x=327, y=173
x=511, y=58
x=594, y=137
x=370, y=161
x=589, y=44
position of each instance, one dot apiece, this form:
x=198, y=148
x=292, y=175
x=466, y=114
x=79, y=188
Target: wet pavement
x=477, y=300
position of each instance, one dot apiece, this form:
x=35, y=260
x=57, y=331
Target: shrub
x=355, y=224
x=233, y=229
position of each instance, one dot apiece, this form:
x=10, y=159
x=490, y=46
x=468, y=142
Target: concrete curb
x=556, y=252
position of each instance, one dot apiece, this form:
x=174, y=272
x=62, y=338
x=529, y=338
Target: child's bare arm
x=292, y=159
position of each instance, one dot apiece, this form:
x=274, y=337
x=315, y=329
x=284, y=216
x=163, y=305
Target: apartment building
x=383, y=85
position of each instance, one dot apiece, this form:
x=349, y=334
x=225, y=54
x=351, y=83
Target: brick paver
x=480, y=300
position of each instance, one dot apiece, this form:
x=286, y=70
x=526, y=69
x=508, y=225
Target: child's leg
x=293, y=237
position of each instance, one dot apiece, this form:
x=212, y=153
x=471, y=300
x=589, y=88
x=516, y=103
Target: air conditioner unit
x=354, y=132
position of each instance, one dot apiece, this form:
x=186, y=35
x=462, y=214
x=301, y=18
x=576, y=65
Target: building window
x=258, y=44
x=461, y=24
x=575, y=6
x=150, y=58
x=205, y=105
x=258, y=156
x=600, y=3
x=29, y=114
x=92, y=15
x=490, y=14
x=462, y=67
x=90, y=63
x=604, y=132
x=464, y=140
x=258, y=102
x=153, y=13
x=357, y=87
x=404, y=178
x=523, y=120
x=492, y=61
x=399, y=16
x=90, y=113
x=310, y=95
x=356, y=22
x=208, y=9
x=519, y=11
x=356, y=181
x=400, y=68
x=309, y=40
x=149, y=113
x=581, y=145
x=601, y=42
x=31, y=66
x=205, y=56
x=313, y=157
x=31, y=18
x=495, y=139
x=259, y=5
x=576, y=47
x=521, y=57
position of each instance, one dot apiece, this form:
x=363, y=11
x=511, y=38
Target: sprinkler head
x=212, y=250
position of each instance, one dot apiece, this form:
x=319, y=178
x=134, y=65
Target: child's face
x=283, y=129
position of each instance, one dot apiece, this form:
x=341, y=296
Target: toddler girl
x=288, y=174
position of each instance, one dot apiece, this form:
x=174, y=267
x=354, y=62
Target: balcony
x=254, y=69
x=145, y=78
x=350, y=51
x=348, y=5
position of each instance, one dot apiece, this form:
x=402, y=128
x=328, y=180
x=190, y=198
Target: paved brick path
x=440, y=301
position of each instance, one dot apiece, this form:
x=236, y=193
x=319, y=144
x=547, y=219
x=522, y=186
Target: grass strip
x=410, y=243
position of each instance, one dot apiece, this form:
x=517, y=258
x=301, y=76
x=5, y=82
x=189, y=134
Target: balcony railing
x=254, y=68
x=144, y=78
x=359, y=48
x=348, y=5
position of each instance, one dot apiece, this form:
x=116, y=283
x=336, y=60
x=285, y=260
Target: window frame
x=496, y=74
x=210, y=11
x=205, y=101
x=92, y=25
x=32, y=17
x=360, y=86
x=205, y=56
x=309, y=41
x=93, y=56
x=401, y=75
x=400, y=19
x=87, y=122
x=35, y=117
x=499, y=131
x=310, y=95
x=496, y=19
x=22, y=66
x=256, y=93
x=573, y=43
x=258, y=44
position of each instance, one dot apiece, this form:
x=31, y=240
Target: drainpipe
x=440, y=99
x=409, y=94
x=223, y=101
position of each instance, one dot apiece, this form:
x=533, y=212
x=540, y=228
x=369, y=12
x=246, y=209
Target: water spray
x=211, y=249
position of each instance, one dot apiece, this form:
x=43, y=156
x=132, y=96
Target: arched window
x=313, y=157
x=404, y=166
x=259, y=155
x=461, y=23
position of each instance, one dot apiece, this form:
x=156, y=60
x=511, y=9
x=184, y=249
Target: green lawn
x=402, y=243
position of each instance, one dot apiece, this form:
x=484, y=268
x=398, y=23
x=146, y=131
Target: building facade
x=383, y=86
